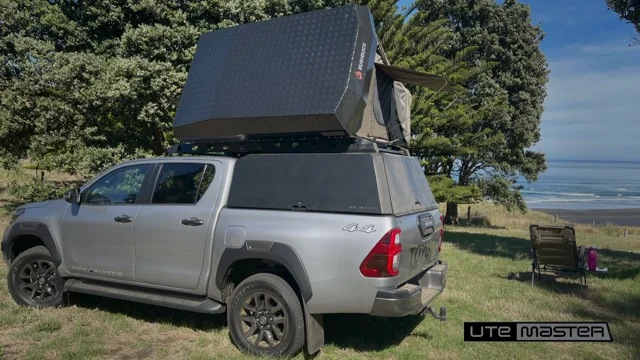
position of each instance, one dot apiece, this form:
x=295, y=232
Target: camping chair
x=554, y=249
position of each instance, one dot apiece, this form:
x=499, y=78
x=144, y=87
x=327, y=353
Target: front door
x=171, y=233
x=98, y=233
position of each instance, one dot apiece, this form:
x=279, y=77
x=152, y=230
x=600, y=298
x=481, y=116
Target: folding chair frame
x=581, y=270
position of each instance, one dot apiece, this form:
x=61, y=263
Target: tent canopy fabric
x=412, y=77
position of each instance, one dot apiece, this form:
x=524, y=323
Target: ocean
x=585, y=185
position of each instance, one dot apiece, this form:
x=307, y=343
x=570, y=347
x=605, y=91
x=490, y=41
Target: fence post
x=555, y=219
x=593, y=224
x=469, y=213
x=625, y=232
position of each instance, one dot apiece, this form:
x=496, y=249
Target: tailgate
x=417, y=213
x=420, y=237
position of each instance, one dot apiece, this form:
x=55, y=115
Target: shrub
x=85, y=163
x=609, y=229
x=36, y=190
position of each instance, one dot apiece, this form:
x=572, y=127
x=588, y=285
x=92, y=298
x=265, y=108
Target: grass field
x=489, y=280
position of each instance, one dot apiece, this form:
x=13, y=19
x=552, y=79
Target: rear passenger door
x=171, y=231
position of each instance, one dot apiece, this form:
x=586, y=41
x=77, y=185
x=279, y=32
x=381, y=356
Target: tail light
x=384, y=258
x=441, y=233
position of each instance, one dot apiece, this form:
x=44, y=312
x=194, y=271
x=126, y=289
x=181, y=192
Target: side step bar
x=146, y=296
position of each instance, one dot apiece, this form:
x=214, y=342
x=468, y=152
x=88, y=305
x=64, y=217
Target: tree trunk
x=451, y=217
x=157, y=142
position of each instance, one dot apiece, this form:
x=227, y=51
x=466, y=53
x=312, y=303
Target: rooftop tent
x=316, y=73
x=306, y=73
x=387, y=115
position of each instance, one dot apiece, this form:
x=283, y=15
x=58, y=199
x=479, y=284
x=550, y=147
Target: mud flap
x=314, y=330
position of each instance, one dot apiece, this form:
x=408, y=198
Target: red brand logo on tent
x=359, y=75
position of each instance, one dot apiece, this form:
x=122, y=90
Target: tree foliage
x=629, y=11
x=486, y=139
x=87, y=84
x=417, y=39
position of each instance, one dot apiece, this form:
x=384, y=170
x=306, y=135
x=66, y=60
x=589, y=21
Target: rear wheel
x=265, y=317
x=33, y=279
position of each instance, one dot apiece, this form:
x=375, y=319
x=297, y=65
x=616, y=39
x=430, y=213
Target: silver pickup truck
x=275, y=240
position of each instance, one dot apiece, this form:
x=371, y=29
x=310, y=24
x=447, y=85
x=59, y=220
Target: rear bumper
x=414, y=296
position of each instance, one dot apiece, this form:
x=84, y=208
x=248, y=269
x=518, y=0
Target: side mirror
x=72, y=196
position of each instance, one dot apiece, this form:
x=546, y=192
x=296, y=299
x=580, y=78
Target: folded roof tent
x=318, y=74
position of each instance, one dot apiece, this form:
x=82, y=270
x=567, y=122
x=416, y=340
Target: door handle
x=123, y=219
x=193, y=221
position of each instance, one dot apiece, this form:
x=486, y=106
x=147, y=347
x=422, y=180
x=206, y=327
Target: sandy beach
x=623, y=217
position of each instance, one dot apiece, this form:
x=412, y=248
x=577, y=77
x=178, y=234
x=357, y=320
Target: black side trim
x=278, y=252
x=30, y=228
x=147, y=296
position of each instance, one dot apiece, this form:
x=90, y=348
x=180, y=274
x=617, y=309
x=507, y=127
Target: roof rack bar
x=303, y=145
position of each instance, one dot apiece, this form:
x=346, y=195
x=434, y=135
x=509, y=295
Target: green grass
x=489, y=280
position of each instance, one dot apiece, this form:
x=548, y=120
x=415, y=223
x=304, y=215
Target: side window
x=207, y=178
x=181, y=183
x=120, y=186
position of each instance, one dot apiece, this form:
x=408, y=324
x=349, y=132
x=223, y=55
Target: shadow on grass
x=549, y=281
x=152, y=313
x=490, y=245
x=464, y=225
x=355, y=331
x=621, y=264
x=623, y=311
x=369, y=333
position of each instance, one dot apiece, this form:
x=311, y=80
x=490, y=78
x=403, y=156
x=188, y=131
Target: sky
x=592, y=109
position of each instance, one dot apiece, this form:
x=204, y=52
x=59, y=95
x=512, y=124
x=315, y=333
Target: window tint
x=408, y=186
x=120, y=186
x=207, y=178
x=178, y=184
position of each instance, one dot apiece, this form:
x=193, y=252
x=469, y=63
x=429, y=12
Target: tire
x=276, y=324
x=34, y=280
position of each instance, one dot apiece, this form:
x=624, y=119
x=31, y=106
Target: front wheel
x=33, y=279
x=265, y=317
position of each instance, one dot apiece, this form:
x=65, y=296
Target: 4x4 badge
x=355, y=227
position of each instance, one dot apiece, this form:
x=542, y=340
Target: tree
x=486, y=141
x=629, y=11
x=415, y=38
x=86, y=84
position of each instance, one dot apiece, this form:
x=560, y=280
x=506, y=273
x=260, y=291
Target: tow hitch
x=443, y=313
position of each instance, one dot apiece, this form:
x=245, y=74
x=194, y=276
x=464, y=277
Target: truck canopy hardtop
x=365, y=183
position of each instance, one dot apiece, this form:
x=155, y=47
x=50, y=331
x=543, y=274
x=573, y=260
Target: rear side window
x=407, y=185
x=182, y=183
x=207, y=178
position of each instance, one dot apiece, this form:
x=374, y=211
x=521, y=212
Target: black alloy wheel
x=37, y=281
x=33, y=279
x=264, y=320
x=265, y=317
